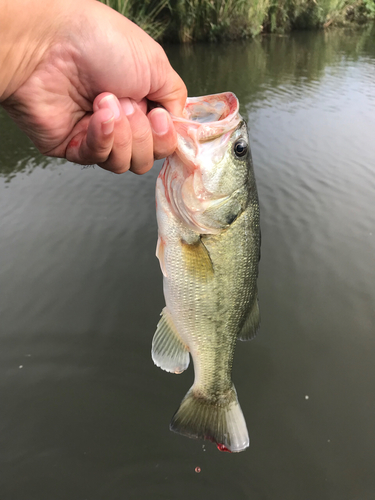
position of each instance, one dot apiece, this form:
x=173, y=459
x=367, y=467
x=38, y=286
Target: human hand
x=84, y=91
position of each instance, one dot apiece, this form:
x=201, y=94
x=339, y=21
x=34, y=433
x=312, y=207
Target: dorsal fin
x=251, y=325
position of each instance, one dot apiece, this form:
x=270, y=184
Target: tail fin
x=220, y=421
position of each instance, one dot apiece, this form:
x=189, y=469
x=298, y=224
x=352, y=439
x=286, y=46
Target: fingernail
x=108, y=126
x=128, y=107
x=159, y=122
x=110, y=101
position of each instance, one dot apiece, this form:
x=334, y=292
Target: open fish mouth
x=207, y=119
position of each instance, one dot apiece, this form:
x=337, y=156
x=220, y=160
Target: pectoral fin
x=197, y=260
x=160, y=248
x=251, y=324
x=169, y=352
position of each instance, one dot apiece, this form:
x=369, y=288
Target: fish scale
x=208, y=248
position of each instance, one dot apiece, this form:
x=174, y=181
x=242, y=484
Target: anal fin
x=251, y=325
x=168, y=350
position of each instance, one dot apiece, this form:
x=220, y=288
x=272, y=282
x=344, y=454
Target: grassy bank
x=198, y=20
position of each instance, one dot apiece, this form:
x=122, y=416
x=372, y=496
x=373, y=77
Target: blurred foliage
x=213, y=20
x=248, y=68
x=147, y=14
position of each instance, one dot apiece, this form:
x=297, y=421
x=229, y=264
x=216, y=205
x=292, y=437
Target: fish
x=209, y=248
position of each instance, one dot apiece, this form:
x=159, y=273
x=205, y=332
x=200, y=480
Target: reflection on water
x=85, y=412
x=17, y=152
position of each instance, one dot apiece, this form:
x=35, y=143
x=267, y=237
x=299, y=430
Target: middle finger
x=142, y=140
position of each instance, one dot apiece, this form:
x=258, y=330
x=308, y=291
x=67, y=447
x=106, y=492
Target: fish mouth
x=212, y=108
x=208, y=117
x=219, y=133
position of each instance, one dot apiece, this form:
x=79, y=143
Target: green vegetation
x=254, y=71
x=202, y=20
x=150, y=15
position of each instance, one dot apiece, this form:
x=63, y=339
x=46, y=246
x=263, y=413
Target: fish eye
x=240, y=148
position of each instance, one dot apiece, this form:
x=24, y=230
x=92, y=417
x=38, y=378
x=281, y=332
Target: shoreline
x=192, y=21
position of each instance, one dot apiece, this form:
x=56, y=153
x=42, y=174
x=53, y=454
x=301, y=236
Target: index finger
x=168, y=89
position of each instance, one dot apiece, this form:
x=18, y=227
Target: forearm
x=26, y=28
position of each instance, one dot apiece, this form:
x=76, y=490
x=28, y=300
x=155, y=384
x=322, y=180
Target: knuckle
x=163, y=151
x=97, y=149
x=90, y=157
x=95, y=152
x=116, y=163
x=142, y=137
x=123, y=143
x=112, y=167
x=116, y=170
x=142, y=167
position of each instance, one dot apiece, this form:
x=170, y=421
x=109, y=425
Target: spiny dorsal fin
x=251, y=325
x=168, y=350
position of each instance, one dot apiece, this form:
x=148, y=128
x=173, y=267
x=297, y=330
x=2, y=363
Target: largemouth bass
x=208, y=248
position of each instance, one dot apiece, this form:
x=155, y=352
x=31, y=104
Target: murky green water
x=85, y=413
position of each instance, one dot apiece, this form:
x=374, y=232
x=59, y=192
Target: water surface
x=85, y=413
